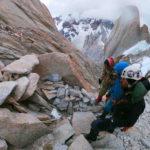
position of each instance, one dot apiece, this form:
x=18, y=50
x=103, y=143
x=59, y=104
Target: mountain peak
x=87, y=34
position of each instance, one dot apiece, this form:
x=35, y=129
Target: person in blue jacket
x=116, y=91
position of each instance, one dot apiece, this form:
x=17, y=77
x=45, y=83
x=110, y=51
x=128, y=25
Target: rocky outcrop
x=27, y=27
x=126, y=32
x=24, y=65
x=109, y=141
x=81, y=144
x=26, y=128
x=145, y=33
x=75, y=69
x=22, y=84
x=33, y=81
x=81, y=122
x=64, y=127
x=63, y=131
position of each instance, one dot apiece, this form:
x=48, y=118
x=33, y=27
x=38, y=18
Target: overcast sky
x=105, y=9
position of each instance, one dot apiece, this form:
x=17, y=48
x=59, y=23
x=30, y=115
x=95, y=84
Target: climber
x=116, y=91
x=131, y=106
x=107, y=78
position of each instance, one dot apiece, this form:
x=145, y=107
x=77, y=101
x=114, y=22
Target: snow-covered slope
x=88, y=34
x=137, y=48
x=145, y=65
x=140, y=53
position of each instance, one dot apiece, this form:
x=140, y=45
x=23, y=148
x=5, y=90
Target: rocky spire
x=126, y=32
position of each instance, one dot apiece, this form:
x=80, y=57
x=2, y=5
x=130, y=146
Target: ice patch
x=55, y=114
x=145, y=65
x=137, y=48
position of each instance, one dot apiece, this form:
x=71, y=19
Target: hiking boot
x=110, y=130
x=89, y=138
x=103, y=115
x=92, y=136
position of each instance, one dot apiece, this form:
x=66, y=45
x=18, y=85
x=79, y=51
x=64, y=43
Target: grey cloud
x=107, y=9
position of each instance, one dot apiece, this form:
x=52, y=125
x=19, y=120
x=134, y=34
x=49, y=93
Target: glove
x=126, y=129
x=99, y=98
x=99, y=81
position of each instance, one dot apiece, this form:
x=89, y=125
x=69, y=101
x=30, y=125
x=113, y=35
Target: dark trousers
x=100, y=125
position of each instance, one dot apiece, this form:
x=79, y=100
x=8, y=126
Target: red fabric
x=107, y=98
x=111, y=61
x=98, y=99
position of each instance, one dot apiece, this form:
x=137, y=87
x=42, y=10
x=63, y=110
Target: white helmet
x=132, y=72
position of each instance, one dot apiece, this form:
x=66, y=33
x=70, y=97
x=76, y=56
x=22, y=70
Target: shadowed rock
x=36, y=98
x=22, y=84
x=33, y=80
x=6, y=89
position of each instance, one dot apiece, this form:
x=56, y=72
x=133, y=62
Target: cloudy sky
x=106, y=9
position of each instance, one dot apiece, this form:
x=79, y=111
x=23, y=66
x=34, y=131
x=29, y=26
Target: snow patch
x=137, y=48
x=82, y=29
x=55, y=114
x=145, y=65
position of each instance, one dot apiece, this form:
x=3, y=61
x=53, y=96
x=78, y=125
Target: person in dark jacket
x=131, y=106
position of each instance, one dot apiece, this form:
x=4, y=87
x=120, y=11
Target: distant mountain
x=87, y=34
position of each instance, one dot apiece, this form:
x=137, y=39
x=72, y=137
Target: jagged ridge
x=87, y=34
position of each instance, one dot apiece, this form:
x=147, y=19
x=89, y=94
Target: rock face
x=76, y=70
x=126, y=32
x=33, y=80
x=5, y=89
x=82, y=122
x=27, y=27
x=80, y=143
x=22, y=84
x=109, y=141
x=22, y=66
x=26, y=128
x=39, y=100
x=44, y=143
x=63, y=131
